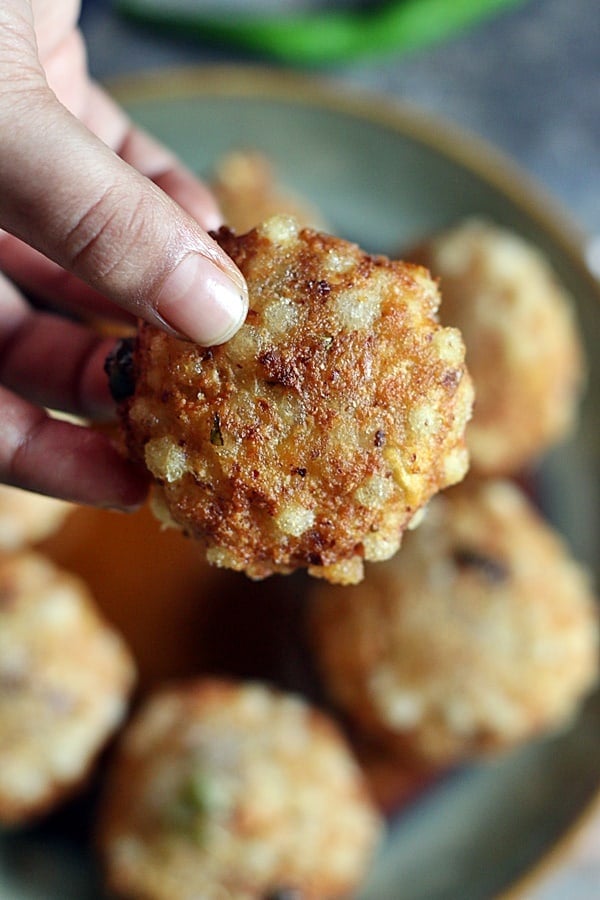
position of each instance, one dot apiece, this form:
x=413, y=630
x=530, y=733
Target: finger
x=51, y=361
x=53, y=19
x=66, y=71
x=106, y=119
x=67, y=75
x=81, y=205
x=46, y=281
x=63, y=460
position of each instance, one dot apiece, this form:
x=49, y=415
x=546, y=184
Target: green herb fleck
x=187, y=812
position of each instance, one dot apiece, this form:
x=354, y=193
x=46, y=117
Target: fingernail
x=201, y=302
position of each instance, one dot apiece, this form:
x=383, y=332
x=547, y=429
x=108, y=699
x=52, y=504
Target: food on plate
x=481, y=632
x=314, y=436
x=65, y=677
x=154, y=588
x=224, y=789
x=523, y=349
x=27, y=518
x=246, y=186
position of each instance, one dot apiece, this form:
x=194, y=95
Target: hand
x=97, y=218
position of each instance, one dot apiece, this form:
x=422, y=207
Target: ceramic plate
x=384, y=176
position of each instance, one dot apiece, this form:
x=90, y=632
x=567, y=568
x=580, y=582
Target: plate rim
x=455, y=142
x=452, y=141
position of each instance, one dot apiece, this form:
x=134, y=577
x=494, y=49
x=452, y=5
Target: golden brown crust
x=313, y=436
x=234, y=789
x=480, y=633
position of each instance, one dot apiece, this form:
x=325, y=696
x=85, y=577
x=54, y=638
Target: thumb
x=68, y=195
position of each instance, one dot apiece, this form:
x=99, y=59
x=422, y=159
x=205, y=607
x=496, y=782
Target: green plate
x=385, y=175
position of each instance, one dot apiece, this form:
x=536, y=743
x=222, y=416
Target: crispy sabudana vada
x=311, y=438
x=65, y=677
x=479, y=634
x=523, y=347
x=234, y=790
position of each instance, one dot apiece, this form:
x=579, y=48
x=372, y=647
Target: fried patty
x=235, y=790
x=65, y=680
x=523, y=347
x=312, y=438
x=479, y=634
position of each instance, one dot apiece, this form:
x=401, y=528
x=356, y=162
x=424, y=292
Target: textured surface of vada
x=227, y=790
x=64, y=681
x=523, y=349
x=480, y=633
x=313, y=436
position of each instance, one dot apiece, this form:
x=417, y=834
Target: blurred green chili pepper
x=316, y=38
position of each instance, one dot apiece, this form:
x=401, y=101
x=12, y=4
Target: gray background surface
x=527, y=80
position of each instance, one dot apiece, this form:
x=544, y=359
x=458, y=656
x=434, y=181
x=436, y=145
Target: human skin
x=97, y=218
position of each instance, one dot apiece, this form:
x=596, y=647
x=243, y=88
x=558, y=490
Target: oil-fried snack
x=234, y=790
x=479, y=634
x=64, y=681
x=312, y=437
x=523, y=349
x=27, y=518
x=154, y=588
x=247, y=188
